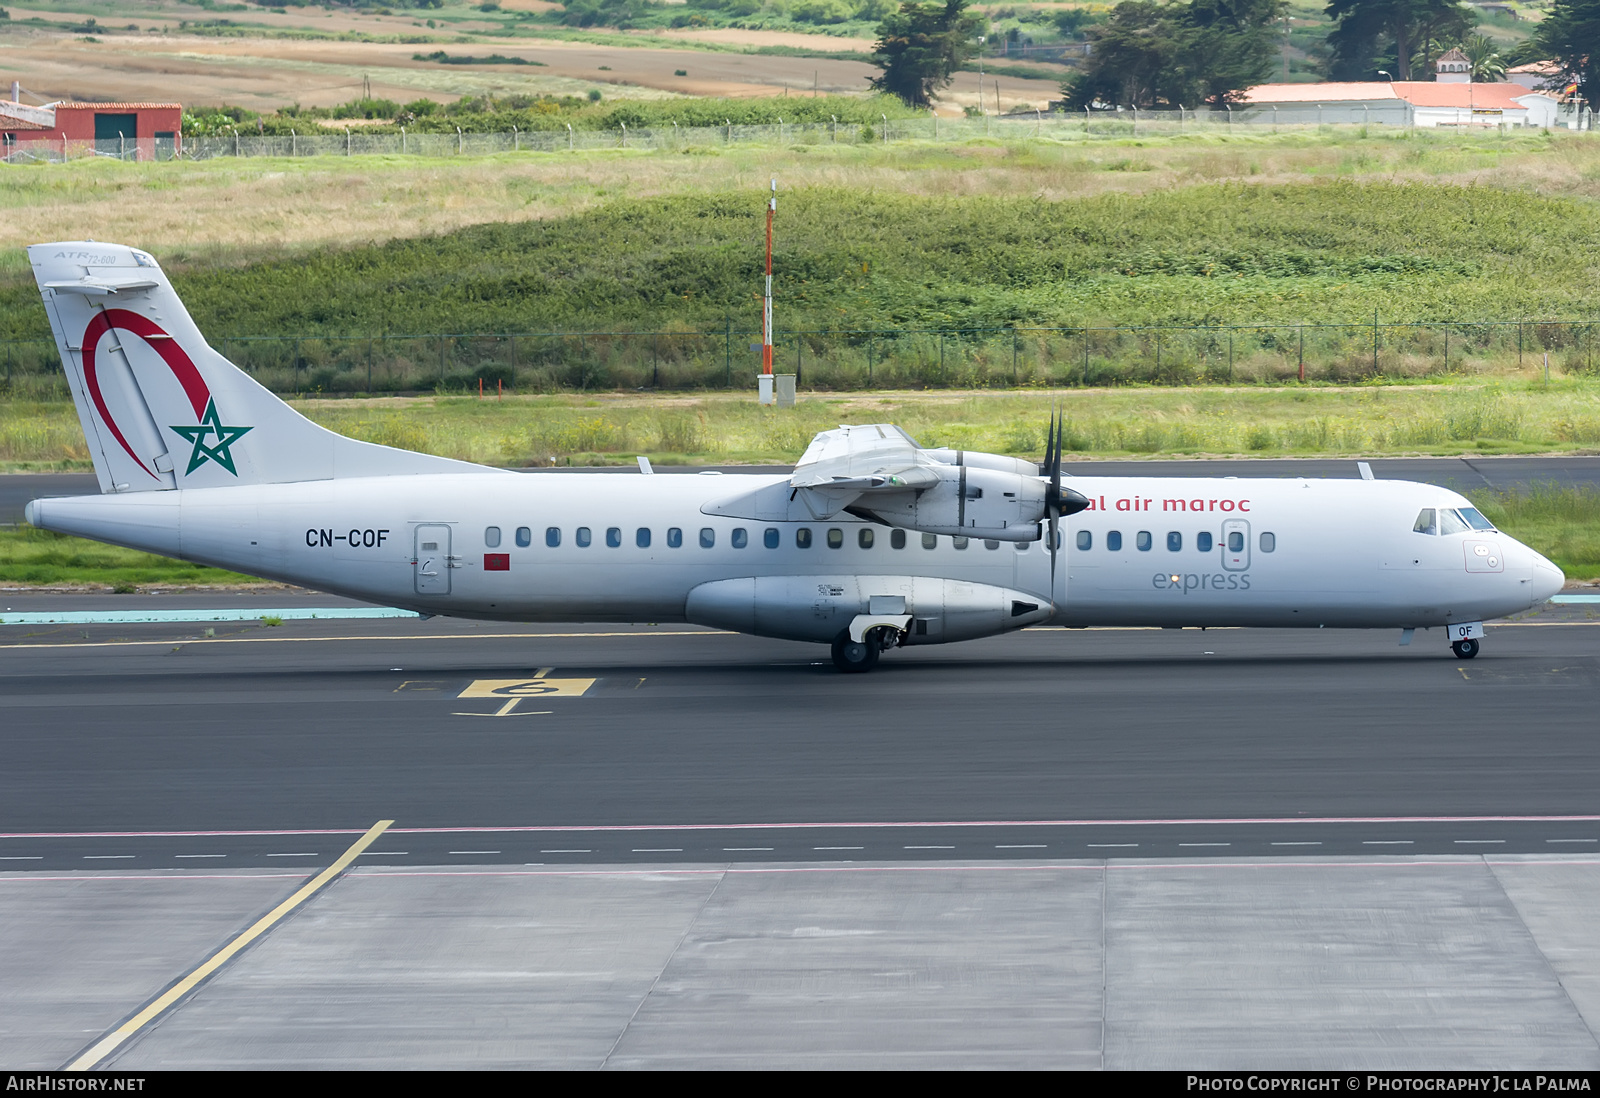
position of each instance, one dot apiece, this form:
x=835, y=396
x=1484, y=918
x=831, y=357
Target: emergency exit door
x=1236, y=545
x=433, y=559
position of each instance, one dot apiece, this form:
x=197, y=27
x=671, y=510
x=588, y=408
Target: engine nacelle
x=979, y=460
x=967, y=502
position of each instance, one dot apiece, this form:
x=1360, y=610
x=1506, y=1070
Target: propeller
x=1058, y=501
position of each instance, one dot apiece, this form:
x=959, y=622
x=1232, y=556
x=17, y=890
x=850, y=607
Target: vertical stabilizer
x=160, y=409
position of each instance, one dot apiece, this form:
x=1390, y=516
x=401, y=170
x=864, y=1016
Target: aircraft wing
x=842, y=465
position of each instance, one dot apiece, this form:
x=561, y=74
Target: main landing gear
x=853, y=657
x=1465, y=649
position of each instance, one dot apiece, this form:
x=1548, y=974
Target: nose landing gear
x=1465, y=649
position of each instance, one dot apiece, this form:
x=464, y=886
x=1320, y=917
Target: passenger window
x=1085, y=540
x=835, y=537
x=552, y=536
x=865, y=537
x=740, y=537
x=1475, y=519
x=959, y=543
x=1451, y=523
x=491, y=537
x=1114, y=540
x=802, y=538
x=582, y=537
x=641, y=537
x=930, y=541
x=1143, y=540
x=524, y=537
x=1269, y=542
x=1202, y=541
x=708, y=537
x=613, y=537
x=674, y=538
x=990, y=543
x=1174, y=542
x=897, y=539
x=770, y=538
x=1425, y=524
x=1235, y=541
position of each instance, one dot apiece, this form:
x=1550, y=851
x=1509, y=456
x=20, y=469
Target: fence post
x=1519, y=344
x=1086, y=356
x=1014, y=381
x=869, y=359
x=1230, y=356
x=727, y=351
x=402, y=140
x=1374, y=343
x=655, y=357
x=516, y=139
x=799, y=358
x=369, y=365
x=1447, y=348
x=513, y=382
x=294, y=143
x=1301, y=328
x=441, y=361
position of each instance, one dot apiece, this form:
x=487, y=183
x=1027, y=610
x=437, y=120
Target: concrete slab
x=439, y=970
x=83, y=950
x=1423, y=963
x=1557, y=899
x=1331, y=964
x=898, y=967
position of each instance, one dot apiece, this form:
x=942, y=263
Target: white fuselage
x=1307, y=553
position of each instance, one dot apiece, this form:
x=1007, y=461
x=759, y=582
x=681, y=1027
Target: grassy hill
x=846, y=258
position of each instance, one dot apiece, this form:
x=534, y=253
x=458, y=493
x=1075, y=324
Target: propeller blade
x=1053, y=454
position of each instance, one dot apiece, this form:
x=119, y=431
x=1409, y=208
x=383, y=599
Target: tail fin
x=161, y=409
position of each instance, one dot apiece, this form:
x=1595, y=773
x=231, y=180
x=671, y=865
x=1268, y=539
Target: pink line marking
x=848, y=825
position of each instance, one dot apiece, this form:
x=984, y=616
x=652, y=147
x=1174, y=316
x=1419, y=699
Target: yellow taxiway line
x=119, y=1036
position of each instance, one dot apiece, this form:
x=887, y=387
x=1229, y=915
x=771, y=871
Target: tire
x=852, y=657
x=1465, y=649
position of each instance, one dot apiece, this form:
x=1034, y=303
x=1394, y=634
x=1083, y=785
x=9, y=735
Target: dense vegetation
x=1205, y=254
x=501, y=114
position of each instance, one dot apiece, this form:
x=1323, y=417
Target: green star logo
x=211, y=424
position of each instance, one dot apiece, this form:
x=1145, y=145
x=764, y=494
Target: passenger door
x=432, y=559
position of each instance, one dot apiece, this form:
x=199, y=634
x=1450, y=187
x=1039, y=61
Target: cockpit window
x=1475, y=519
x=1452, y=523
x=1426, y=522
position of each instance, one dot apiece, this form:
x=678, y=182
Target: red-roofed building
x=143, y=131
x=1405, y=102
x=1452, y=99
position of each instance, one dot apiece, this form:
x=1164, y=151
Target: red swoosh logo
x=194, y=386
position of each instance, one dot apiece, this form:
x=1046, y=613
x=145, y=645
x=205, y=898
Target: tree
x=1488, y=66
x=1155, y=55
x=1373, y=34
x=1570, y=36
x=921, y=46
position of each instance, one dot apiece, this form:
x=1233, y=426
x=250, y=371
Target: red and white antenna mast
x=766, y=315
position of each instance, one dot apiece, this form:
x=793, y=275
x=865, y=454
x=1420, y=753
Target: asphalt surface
x=156, y=746
x=1462, y=474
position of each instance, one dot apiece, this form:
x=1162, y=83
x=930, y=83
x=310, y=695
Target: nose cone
x=30, y=513
x=1547, y=579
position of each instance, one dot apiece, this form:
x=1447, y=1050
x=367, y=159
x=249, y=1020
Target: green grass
x=1207, y=254
x=39, y=557
x=1561, y=523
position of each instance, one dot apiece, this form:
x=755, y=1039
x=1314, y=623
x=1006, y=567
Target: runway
x=146, y=746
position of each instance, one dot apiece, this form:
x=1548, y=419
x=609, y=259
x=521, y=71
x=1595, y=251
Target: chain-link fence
x=889, y=358
x=1016, y=125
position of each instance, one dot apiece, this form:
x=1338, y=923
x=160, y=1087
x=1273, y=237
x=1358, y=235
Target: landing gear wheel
x=1465, y=649
x=853, y=657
